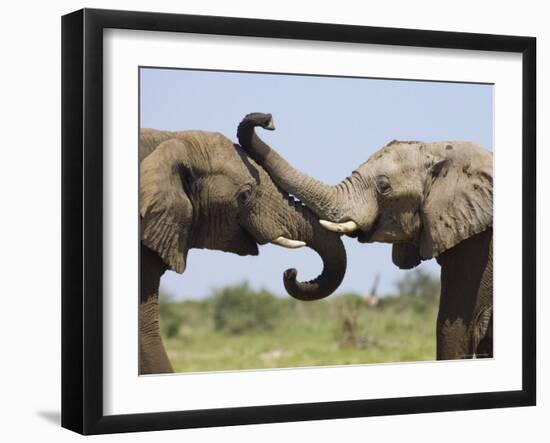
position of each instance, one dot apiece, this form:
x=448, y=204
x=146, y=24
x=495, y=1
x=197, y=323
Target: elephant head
x=200, y=190
x=424, y=198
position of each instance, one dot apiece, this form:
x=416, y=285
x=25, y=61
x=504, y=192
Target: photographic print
x=292, y=221
x=269, y=221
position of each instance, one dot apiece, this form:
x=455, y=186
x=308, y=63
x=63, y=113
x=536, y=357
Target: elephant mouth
x=281, y=241
x=365, y=236
x=242, y=243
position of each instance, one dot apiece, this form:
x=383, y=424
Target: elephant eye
x=383, y=184
x=245, y=195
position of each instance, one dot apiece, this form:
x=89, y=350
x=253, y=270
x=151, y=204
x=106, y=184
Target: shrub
x=238, y=309
x=419, y=283
x=348, y=309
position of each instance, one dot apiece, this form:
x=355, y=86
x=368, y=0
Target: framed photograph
x=268, y=221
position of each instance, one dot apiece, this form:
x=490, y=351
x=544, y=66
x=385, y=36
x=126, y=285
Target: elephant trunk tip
x=260, y=119
x=309, y=291
x=300, y=291
x=290, y=274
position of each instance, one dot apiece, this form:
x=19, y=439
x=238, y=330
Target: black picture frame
x=82, y=218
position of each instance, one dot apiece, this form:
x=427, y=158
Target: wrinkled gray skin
x=199, y=190
x=430, y=200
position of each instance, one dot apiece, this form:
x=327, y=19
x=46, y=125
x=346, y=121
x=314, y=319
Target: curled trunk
x=330, y=248
x=301, y=223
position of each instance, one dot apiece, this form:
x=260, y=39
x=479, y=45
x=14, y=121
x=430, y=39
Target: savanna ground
x=238, y=327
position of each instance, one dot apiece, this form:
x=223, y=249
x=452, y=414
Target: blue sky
x=325, y=126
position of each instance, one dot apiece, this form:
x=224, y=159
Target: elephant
x=429, y=200
x=198, y=189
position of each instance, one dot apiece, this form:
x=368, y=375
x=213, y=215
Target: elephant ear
x=458, y=199
x=405, y=255
x=165, y=209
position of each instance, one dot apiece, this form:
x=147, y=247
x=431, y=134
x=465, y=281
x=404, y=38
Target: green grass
x=305, y=334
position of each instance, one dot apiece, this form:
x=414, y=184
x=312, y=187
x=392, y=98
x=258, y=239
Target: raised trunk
x=152, y=355
x=328, y=202
x=331, y=250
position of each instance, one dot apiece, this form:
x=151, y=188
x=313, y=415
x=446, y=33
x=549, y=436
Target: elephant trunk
x=326, y=201
x=330, y=248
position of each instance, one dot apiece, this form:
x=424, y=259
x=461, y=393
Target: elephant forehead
x=236, y=164
x=396, y=162
x=220, y=187
x=396, y=154
x=233, y=167
x=217, y=156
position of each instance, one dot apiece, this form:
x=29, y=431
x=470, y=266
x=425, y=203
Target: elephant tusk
x=343, y=228
x=287, y=243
